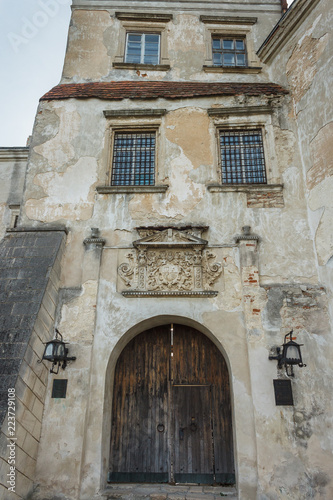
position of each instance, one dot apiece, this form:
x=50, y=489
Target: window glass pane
x=228, y=60
x=240, y=58
x=216, y=43
x=151, y=54
x=134, y=37
x=217, y=59
x=152, y=38
x=133, y=49
x=240, y=45
x=228, y=44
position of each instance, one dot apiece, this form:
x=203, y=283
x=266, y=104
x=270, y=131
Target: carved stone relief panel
x=170, y=262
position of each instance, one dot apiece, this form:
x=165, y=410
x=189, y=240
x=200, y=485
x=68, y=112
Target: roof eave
x=285, y=28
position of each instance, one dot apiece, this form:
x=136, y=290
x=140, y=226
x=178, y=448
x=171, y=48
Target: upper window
x=242, y=157
x=229, y=52
x=133, y=159
x=142, y=48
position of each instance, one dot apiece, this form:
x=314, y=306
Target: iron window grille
x=142, y=48
x=229, y=52
x=133, y=159
x=242, y=157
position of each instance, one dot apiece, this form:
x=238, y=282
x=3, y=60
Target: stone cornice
x=285, y=28
x=140, y=67
x=166, y=293
x=238, y=69
x=244, y=188
x=242, y=110
x=131, y=189
x=131, y=113
x=144, y=16
x=14, y=154
x=228, y=20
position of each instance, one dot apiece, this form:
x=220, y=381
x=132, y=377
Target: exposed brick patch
x=265, y=200
x=155, y=90
x=250, y=278
x=297, y=307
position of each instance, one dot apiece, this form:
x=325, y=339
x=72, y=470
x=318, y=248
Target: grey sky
x=33, y=37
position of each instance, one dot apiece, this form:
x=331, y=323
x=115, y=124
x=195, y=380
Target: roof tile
x=155, y=90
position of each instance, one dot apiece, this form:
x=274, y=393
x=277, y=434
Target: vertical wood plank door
x=198, y=363
x=193, y=443
x=139, y=439
x=171, y=413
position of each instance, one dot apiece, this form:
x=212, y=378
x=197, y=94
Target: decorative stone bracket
x=94, y=239
x=170, y=261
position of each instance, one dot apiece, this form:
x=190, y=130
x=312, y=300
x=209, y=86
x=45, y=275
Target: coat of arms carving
x=170, y=262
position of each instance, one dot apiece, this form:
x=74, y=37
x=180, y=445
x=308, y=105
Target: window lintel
x=228, y=20
x=144, y=16
x=243, y=110
x=134, y=113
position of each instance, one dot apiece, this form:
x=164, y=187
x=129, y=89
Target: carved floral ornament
x=170, y=262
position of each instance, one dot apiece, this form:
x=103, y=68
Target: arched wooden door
x=171, y=412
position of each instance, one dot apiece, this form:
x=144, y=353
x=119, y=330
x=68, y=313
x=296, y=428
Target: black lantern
x=56, y=352
x=290, y=355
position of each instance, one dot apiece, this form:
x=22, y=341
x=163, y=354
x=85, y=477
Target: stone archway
x=171, y=411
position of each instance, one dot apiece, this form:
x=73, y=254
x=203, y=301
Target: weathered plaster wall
x=96, y=40
x=237, y=319
x=264, y=291
x=63, y=190
x=13, y=163
x=304, y=63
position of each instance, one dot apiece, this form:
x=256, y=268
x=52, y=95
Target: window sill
x=150, y=67
x=131, y=189
x=236, y=69
x=245, y=188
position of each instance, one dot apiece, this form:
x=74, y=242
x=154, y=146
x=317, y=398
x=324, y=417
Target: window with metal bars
x=242, y=157
x=229, y=52
x=142, y=48
x=133, y=159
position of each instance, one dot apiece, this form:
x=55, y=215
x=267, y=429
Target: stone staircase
x=167, y=492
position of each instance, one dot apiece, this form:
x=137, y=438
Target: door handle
x=181, y=434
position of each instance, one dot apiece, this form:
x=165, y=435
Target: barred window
x=229, y=52
x=142, y=48
x=242, y=156
x=133, y=159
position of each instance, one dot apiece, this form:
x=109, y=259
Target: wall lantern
x=56, y=352
x=290, y=355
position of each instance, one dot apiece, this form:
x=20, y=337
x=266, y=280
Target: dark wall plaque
x=59, y=388
x=283, y=393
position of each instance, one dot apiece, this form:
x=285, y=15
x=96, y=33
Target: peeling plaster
x=68, y=195
x=58, y=150
x=321, y=148
x=302, y=64
x=87, y=53
x=321, y=197
x=78, y=316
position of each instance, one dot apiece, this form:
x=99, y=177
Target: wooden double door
x=171, y=412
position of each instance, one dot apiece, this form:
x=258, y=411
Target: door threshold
x=138, y=491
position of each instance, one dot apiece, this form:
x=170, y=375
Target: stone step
x=167, y=492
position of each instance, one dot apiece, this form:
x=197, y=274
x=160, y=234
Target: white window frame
x=142, y=45
x=152, y=24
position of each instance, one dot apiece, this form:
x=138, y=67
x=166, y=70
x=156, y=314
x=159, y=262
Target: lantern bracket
x=57, y=353
x=288, y=355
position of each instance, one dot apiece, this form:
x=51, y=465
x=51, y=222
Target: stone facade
x=243, y=263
